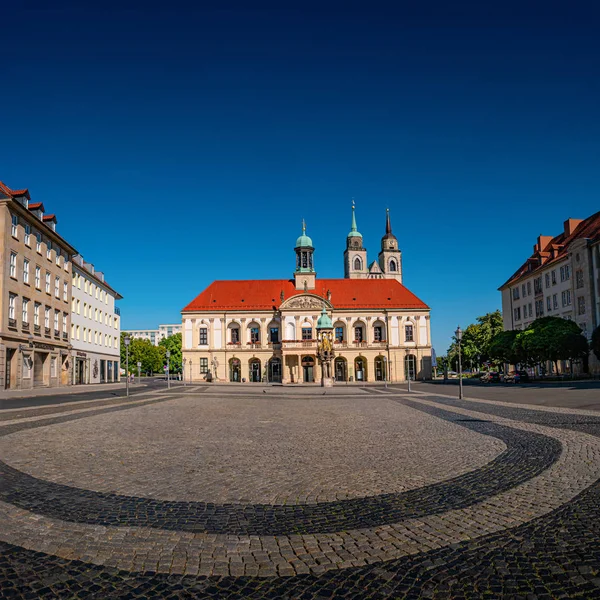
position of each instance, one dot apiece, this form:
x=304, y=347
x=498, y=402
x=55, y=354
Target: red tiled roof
x=49, y=217
x=12, y=193
x=36, y=205
x=265, y=294
x=588, y=228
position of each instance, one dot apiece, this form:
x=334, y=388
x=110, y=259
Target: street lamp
x=458, y=334
x=190, y=363
x=168, y=369
x=127, y=341
x=183, y=370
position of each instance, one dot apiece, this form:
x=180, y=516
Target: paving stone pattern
x=556, y=555
x=527, y=455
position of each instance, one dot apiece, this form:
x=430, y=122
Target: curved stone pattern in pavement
x=555, y=555
x=527, y=455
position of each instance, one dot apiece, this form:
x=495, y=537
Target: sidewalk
x=67, y=390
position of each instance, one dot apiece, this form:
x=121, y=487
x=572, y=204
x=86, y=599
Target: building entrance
x=10, y=352
x=340, y=369
x=39, y=361
x=275, y=370
x=235, y=369
x=255, y=371
x=79, y=371
x=380, y=369
x=308, y=367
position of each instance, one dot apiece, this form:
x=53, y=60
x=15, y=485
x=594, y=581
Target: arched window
x=357, y=264
x=393, y=267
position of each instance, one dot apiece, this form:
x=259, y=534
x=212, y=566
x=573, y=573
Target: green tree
x=502, y=349
x=173, y=345
x=142, y=351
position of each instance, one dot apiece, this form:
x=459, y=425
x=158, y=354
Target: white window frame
x=38, y=242
x=47, y=282
x=47, y=317
x=13, y=265
x=49, y=250
x=25, y=310
x=25, y=270
x=27, y=237
x=38, y=277
x=36, y=313
x=14, y=229
x=65, y=291
x=56, y=320
x=57, y=287
x=12, y=300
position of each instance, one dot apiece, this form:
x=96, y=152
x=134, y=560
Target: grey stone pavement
x=208, y=491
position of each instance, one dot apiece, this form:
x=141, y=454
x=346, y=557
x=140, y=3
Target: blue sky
x=179, y=145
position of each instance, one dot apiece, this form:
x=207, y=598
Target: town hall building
x=266, y=330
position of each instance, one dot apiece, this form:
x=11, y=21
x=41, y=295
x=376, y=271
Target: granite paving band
x=527, y=455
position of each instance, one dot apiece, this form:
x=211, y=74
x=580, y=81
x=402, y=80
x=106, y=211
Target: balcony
x=299, y=343
x=340, y=344
x=379, y=343
x=254, y=345
x=359, y=344
x=274, y=345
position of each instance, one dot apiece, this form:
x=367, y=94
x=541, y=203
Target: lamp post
x=190, y=363
x=183, y=370
x=458, y=334
x=127, y=341
x=168, y=369
x=408, y=365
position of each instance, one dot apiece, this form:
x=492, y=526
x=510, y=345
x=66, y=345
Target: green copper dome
x=324, y=321
x=304, y=241
x=353, y=229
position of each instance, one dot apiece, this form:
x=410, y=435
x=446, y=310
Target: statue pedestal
x=327, y=382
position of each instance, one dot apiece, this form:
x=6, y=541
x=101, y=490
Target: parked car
x=490, y=377
x=516, y=377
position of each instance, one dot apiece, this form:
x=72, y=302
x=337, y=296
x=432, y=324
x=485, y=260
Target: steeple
x=390, y=257
x=355, y=255
x=305, y=274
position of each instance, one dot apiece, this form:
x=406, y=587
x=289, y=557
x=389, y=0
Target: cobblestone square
x=269, y=492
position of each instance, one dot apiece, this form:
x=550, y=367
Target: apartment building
x=561, y=278
x=35, y=295
x=95, y=326
x=155, y=335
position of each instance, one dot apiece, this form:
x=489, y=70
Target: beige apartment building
x=266, y=330
x=561, y=278
x=35, y=295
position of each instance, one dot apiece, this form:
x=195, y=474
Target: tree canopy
x=173, y=345
x=141, y=351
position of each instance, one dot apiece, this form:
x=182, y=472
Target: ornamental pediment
x=305, y=302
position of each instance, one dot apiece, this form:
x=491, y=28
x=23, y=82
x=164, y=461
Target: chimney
x=571, y=225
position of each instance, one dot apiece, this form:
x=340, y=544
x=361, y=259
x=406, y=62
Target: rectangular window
x=203, y=336
x=13, y=265
x=516, y=293
x=203, y=366
x=530, y=310
x=515, y=314
x=36, y=314
x=254, y=335
x=529, y=288
x=548, y=304
x=307, y=333
x=378, y=333
x=56, y=317
x=77, y=331
x=28, y=235
x=524, y=290
x=49, y=250
x=547, y=276
x=554, y=277
x=567, y=272
x=274, y=335
x=554, y=301
x=12, y=300
x=581, y=305
x=566, y=298
x=579, y=279
x=562, y=273
x=339, y=334
x=38, y=277
x=358, y=334
x=235, y=336
x=57, y=287
x=57, y=256
x=95, y=337
x=408, y=333
x=38, y=242
x=96, y=314
x=25, y=310
x=47, y=282
x=96, y=292
x=47, y=317
x=15, y=223
x=64, y=323
x=25, y=271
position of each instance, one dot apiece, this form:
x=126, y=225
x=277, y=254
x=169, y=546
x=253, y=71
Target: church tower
x=305, y=274
x=355, y=254
x=390, y=257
